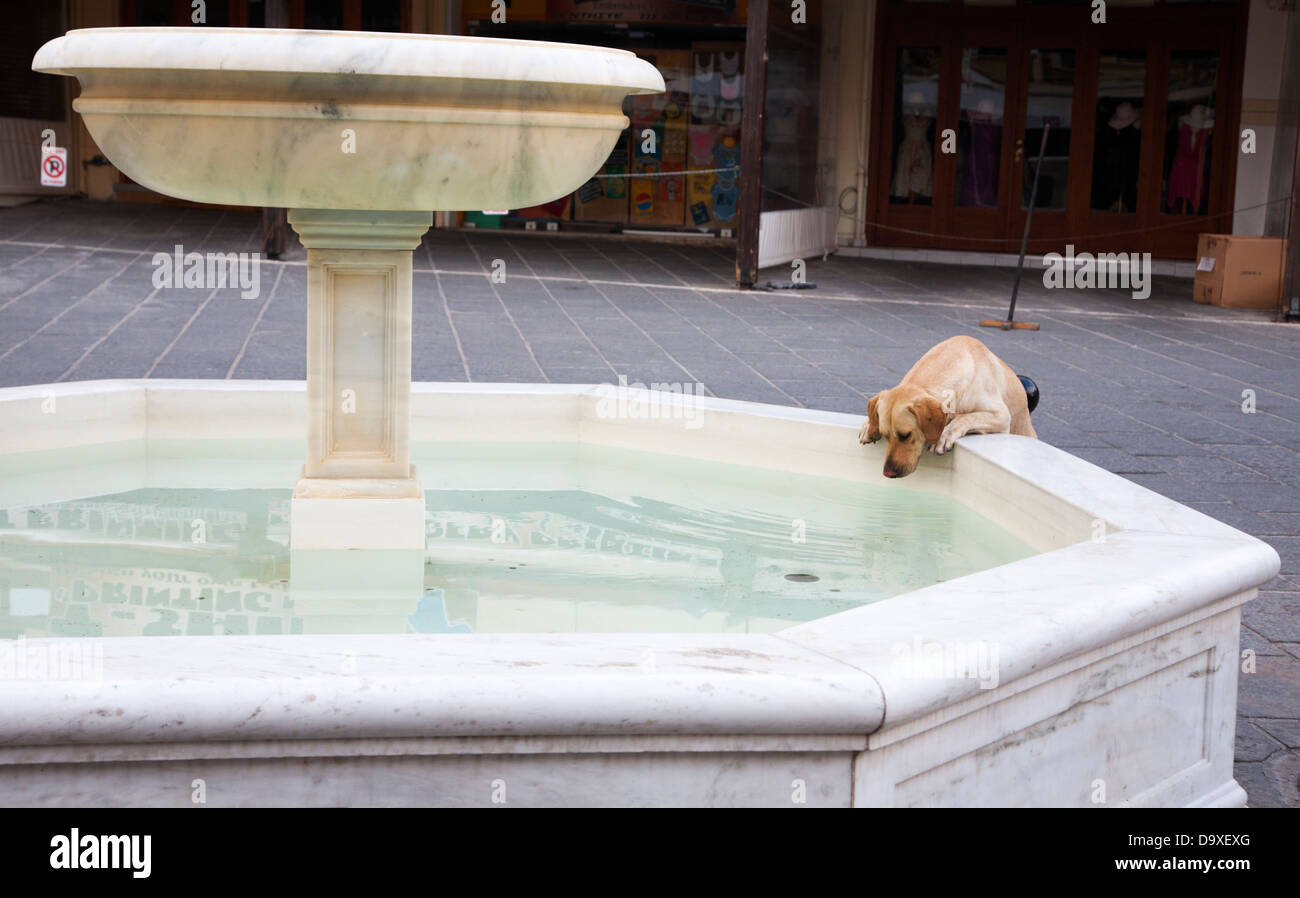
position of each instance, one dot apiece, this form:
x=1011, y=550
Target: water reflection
x=702, y=554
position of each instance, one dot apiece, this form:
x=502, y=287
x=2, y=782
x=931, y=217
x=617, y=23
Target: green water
x=193, y=539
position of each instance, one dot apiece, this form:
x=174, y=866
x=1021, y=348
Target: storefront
x=330, y=15
x=676, y=167
x=885, y=123
x=1141, y=112
x=699, y=126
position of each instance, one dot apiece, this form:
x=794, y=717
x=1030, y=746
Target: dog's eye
x=904, y=436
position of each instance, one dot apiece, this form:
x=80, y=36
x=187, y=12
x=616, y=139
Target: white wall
x=1268, y=79
x=811, y=232
x=20, y=158
x=857, y=46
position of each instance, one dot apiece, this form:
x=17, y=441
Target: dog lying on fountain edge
x=956, y=388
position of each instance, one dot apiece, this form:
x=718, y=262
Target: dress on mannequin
x=1119, y=150
x=980, y=186
x=913, y=175
x=1186, y=175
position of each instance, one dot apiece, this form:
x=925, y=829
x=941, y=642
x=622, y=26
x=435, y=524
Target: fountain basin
x=1115, y=648
x=257, y=117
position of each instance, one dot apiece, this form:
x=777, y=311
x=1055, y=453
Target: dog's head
x=909, y=418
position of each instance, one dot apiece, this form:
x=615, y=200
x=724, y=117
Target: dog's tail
x=1031, y=392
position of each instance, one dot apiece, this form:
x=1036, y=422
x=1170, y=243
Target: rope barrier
x=1182, y=222
x=671, y=174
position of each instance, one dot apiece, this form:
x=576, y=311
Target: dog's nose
x=891, y=472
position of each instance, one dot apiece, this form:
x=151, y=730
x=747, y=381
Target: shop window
x=1089, y=2
x=660, y=197
x=794, y=118
x=381, y=15
x=217, y=12
x=1189, y=130
x=1049, y=102
x=24, y=93
x=916, y=96
x=979, y=126
x=1117, y=145
x=326, y=15
x=163, y=13
x=153, y=13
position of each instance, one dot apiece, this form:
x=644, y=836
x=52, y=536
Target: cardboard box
x=1239, y=272
x=1206, y=291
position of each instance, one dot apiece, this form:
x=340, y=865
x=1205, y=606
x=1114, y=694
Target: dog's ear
x=931, y=418
x=873, y=422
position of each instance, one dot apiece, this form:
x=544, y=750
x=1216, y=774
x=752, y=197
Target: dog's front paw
x=864, y=435
x=948, y=439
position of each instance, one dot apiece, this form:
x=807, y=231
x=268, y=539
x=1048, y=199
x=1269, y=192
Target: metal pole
x=1291, y=261
x=275, y=222
x=751, y=144
x=1029, y=218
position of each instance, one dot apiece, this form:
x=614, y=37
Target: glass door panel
x=324, y=15
x=1189, y=126
x=1117, y=140
x=981, y=107
x=1049, y=101
x=916, y=101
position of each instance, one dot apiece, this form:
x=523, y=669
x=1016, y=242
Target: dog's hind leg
x=1022, y=426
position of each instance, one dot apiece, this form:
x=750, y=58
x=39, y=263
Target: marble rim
x=1160, y=567
x=334, y=53
x=349, y=111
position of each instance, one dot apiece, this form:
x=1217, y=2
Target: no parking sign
x=54, y=167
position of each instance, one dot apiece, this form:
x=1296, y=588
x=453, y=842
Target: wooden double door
x=1140, y=121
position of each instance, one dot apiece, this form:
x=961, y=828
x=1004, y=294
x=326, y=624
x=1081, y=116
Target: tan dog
x=958, y=387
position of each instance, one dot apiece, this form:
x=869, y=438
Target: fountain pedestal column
x=358, y=488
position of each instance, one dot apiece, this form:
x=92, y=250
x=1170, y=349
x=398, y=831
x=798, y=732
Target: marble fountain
x=1096, y=667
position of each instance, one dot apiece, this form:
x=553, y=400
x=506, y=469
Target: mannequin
x=913, y=167
x=1187, y=173
x=1119, y=149
x=980, y=187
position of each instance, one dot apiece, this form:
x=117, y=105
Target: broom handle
x=1029, y=218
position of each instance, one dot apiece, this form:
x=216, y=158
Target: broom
x=1024, y=244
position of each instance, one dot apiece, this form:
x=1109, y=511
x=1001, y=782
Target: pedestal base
x=358, y=489
x=357, y=590
x=357, y=513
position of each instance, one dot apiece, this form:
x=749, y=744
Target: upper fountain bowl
x=348, y=120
